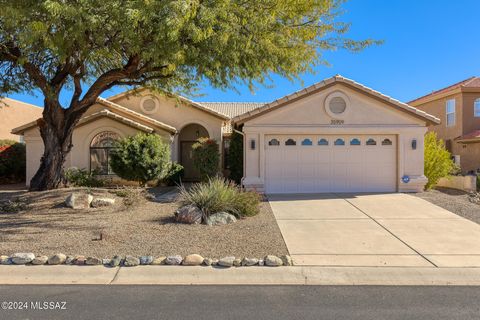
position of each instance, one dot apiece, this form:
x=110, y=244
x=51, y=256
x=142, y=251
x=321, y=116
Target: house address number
x=337, y=122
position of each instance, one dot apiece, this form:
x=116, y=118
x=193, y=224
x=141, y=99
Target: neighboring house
x=14, y=113
x=335, y=136
x=458, y=107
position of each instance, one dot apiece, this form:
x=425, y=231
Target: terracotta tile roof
x=232, y=109
x=472, y=82
x=474, y=135
x=337, y=79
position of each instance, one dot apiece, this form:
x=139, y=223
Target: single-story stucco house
x=334, y=136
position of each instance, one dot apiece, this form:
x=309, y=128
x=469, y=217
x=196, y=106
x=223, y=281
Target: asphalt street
x=239, y=302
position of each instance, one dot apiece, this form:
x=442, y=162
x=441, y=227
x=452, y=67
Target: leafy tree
x=83, y=48
x=206, y=157
x=12, y=161
x=438, y=162
x=235, y=157
x=141, y=158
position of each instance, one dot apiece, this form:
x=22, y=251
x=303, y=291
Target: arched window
x=386, y=142
x=100, y=149
x=339, y=142
x=323, y=142
x=274, y=142
x=476, y=108
x=307, y=142
x=290, y=142
x=354, y=142
x=371, y=142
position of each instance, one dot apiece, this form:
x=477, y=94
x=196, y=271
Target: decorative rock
x=40, y=260
x=273, y=261
x=106, y=262
x=145, y=260
x=189, y=214
x=287, y=260
x=131, y=261
x=220, y=218
x=173, y=260
x=249, y=262
x=22, y=257
x=59, y=258
x=159, y=260
x=93, y=261
x=214, y=262
x=79, y=260
x=226, y=262
x=5, y=260
x=77, y=200
x=207, y=262
x=115, y=262
x=261, y=262
x=237, y=262
x=102, y=202
x=193, y=260
x=69, y=260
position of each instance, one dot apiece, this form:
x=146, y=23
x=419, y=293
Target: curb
x=296, y=275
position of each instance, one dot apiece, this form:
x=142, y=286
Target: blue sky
x=428, y=45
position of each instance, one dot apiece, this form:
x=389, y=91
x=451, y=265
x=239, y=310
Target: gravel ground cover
x=146, y=228
x=453, y=200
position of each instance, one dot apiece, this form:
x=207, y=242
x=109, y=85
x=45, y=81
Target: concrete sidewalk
x=182, y=275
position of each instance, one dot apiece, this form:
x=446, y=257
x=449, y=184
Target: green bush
x=217, y=195
x=82, y=178
x=438, y=162
x=478, y=183
x=174, y=174
x=141, y=158
x=235, y=157
x=206, y=157
x=12, y=161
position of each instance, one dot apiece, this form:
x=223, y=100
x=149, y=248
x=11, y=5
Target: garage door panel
x=352, y=167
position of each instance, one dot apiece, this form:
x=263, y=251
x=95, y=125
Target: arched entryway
x=186, y=138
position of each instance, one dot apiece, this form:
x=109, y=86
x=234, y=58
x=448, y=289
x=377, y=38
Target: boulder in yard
x=159, y=260
x=226, y=261
x=174, y=260
x=59, y=258
x=193, y=260
x=287, y=260
x=273, y=261
x=220, y=218
x=22, y=257
x=79, y=260
x=102, y=202
x=40, y=260
x=78, y=200
x=145, y=260
x=5, y=260
x=247, y=262
x=131, y=261
x=93, y=261
x=115, y=262
x=189, y=214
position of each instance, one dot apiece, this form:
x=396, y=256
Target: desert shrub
x=173, y=175
x=235, y=157
x=142, y=158
x=12, y=161
x=82, y=178
x=12, y=206
x=217, y=195
x=206, y=157
x=131, y=196
x=438, y=162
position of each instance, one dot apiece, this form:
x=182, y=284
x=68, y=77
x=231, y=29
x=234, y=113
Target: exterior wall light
x=414, y=144
x=252, y=144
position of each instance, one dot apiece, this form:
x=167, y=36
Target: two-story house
x=458, y=107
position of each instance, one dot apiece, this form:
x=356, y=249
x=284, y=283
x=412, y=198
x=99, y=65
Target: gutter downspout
x=244, y=154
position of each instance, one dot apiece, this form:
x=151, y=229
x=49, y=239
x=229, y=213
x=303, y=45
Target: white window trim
x=447, y=113
x=476, y=108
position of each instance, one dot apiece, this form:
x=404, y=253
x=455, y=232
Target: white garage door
x=330, y=163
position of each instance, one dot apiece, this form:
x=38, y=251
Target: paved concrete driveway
x=374, y=230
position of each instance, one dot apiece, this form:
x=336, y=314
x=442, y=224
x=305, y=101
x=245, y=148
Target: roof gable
x=469, y=83
x=301, y=94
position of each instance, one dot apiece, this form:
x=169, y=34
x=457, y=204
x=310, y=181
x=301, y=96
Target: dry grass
x=146, y=227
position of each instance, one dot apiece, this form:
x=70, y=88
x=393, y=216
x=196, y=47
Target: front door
x=186, y=155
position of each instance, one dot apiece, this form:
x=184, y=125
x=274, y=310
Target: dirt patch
x=147, y=228
x=453, y=200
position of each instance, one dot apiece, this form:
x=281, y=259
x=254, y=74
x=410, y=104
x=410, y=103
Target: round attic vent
x=149, y=105
x=337, y=105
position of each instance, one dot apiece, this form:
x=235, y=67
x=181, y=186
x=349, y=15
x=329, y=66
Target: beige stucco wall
x=364, y=115
x=177, y=114
x=15, y=113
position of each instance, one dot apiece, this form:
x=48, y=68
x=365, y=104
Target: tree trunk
x=56, y=134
